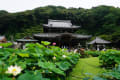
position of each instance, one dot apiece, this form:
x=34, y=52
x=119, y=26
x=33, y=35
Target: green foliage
x=38, y=62
x=5, y=44
x=51, y=67
x=31, y=76
x=110, y=58
x=113, y=74
x=98, y=21
x=92, y=53
x=23, y=54
x=63, y=65
x=45, y=43
x=99, y=78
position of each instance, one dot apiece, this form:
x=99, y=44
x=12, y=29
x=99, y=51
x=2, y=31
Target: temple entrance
x=65, y=40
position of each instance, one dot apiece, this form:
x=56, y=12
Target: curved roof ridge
x=98, y=40
x=59, y=20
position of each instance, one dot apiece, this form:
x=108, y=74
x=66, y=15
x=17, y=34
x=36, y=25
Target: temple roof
x=2, y=37
x=60, y=24
x=26, y=40
x=99, y=41
x=54, y=35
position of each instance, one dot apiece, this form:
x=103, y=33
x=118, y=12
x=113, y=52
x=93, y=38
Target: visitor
x=103, y=49
x=75, y=51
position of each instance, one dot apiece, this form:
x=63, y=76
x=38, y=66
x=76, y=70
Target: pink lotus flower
x=54, y=44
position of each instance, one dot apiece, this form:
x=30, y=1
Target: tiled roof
x=53, y=35
x=60, y=24
x=26, y=40
x=2, y=37
x=47, y=35
x=99, y=41
x=82, y=36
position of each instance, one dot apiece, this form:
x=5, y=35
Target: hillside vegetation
x=100, y=21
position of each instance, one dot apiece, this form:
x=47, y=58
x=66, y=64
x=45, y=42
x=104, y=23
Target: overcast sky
x=21, y=5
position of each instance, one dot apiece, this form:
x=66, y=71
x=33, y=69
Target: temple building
x=62, y=33
x=21, y=42
x=99, y=44
x=3, y=39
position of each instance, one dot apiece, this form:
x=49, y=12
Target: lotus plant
x=64, y=56
x=54, y=58
x=14, y=70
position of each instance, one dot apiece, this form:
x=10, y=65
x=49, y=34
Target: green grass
x=86, y=67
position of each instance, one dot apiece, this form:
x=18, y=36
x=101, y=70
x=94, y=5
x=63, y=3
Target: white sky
x=21, y=5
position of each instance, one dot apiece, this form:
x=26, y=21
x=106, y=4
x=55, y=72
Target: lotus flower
x=15, y=70
x=54, y=58
x=54, y=44
x=64, y=56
